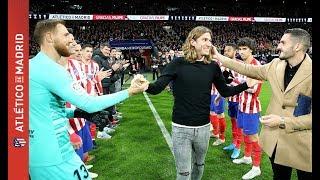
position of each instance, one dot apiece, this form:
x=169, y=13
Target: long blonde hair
x=189, y=51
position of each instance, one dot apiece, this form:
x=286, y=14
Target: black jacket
x=102, y=60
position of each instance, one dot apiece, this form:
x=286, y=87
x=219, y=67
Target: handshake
x=138, y=84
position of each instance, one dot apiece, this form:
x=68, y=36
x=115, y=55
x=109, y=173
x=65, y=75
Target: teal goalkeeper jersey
x=50, y=86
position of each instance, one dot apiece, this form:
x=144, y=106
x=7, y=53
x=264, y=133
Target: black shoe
x=95, y=146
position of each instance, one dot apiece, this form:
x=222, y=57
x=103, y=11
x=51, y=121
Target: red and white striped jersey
x=93, y=84
x=85, y=74
x=249, y=99
x=237, y=79
x=77, y=74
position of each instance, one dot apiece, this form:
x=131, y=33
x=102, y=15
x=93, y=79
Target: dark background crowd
x=170, y=35
x=270, y=8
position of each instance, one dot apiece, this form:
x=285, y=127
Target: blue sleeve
x=59, y=82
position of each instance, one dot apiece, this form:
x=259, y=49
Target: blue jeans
x=190, y=146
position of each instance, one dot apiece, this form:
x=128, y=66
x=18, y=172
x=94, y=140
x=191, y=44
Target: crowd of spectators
x=263, y=8
x=167, y=35
x=170, y=35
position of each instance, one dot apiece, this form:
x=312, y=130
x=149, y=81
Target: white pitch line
x=164, y=131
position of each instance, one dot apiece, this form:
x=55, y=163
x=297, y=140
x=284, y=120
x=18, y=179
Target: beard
x=62, y=50
x=287, y=54
x=284, y=56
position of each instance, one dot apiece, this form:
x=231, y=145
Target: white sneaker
x=243, y=160
x=103, y=135
x=93, y=175
x=255, y=171
x=117, y=112
x=89, y=166
x=117, y=116
x=218, y=142
x=108, y=130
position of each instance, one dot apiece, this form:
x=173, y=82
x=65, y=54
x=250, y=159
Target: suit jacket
x=294, y=145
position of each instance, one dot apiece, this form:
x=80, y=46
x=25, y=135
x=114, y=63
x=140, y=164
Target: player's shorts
x=86, y=138
x=248, y=122
x=73, y=169
x=233, y=108
x=217, y=109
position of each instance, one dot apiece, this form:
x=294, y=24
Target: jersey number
x=83, y=169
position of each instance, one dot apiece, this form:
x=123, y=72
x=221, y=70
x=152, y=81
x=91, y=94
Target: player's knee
x=199, y=165
x=184, y=173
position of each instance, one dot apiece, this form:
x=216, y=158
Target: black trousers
x=281, y=172
x=110, y=109
x=155, y=74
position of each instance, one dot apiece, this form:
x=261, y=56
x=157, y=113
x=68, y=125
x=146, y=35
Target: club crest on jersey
x=76, y=86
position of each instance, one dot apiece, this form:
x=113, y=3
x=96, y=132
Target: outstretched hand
x=138, y=84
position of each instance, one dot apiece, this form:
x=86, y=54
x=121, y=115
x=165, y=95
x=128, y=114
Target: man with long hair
x=192, y=77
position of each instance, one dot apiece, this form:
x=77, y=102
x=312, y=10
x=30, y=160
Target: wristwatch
x=282, y=125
